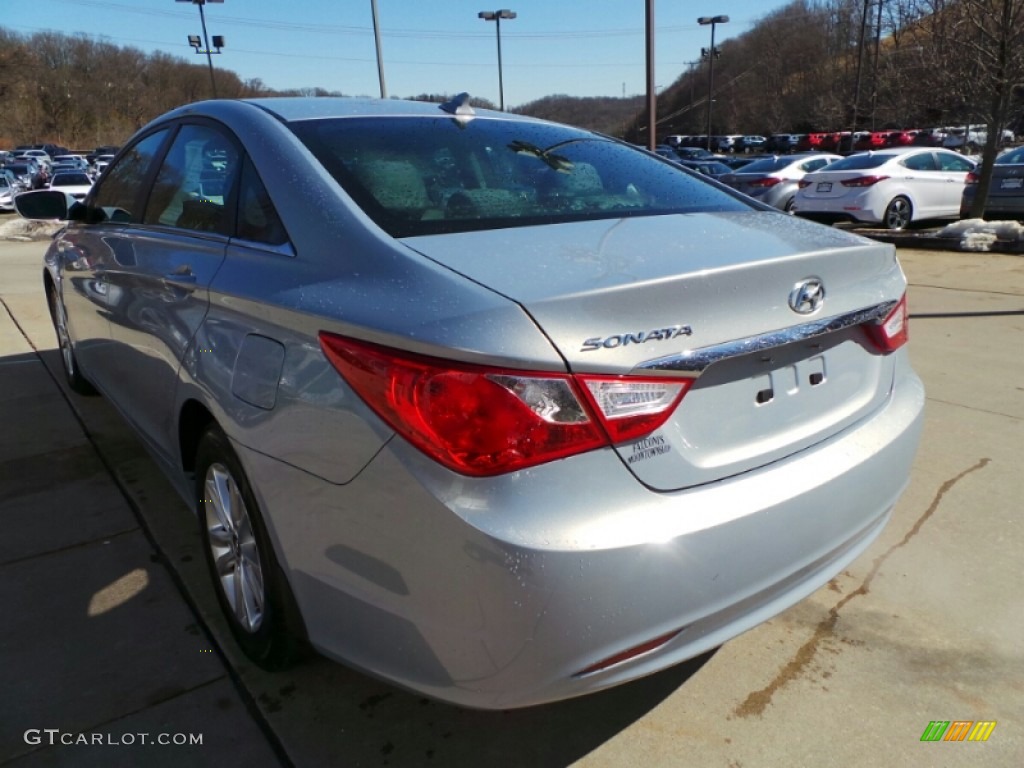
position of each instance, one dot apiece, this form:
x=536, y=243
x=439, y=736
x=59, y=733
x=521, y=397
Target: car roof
x=308, y=108
x=896, y=151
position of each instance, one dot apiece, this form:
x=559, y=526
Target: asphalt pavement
x=112, y=637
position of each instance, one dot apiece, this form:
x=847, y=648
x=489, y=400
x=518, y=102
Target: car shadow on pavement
x=327, y=714
x=95, y=638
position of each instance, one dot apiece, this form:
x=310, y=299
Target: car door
x=169, y=261
x=87, y=251
x=922, y=179
x=953, y=170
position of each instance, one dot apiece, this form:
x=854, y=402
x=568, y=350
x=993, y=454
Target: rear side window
x=119, y=192
x=431, y=175
x=815, y=164
x=257, y=218
x=767, y=165
x=955, y=163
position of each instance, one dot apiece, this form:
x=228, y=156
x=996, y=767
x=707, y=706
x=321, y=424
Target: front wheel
x=898, y=214
x=250, y=586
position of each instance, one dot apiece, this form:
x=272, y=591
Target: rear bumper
x=1007, y=207
x=498, y=593
x=858, y=208
x=823, y=217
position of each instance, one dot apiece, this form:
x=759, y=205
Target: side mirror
x=48, y=205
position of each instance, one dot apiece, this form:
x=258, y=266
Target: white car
x=976, y=136
x=7, y=192
x=75, y=183
x=891, y=187
x=99, y=164
x=40, y=156
x=77, y=161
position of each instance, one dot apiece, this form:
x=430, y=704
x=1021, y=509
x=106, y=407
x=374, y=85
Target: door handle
x=183, y=273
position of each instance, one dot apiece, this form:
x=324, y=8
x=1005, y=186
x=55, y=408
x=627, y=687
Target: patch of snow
x=980, y=235
x=17, y=228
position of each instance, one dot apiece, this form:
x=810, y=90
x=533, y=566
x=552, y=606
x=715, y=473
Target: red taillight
x=971, y=178
x=863, y=181
x=765, y=183
x=892, y=332
x=804, y=184
x=483, y=421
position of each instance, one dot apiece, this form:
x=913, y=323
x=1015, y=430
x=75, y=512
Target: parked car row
x=729, y=143
x=891, y=187
x=50, y=156
x=973, y=137
x=46, y=165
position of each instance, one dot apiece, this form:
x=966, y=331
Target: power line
x=226, y=19
x=359, y=59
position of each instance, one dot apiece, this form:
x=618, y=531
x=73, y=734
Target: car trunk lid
x=637, y=296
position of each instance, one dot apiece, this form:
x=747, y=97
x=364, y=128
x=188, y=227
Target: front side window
x=118, y=194
x=196, y=177
x=922, y=162
x=421, y=176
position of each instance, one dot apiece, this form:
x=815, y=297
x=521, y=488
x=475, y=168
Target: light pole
x=218, y=40
x=712, y=55
x=652, y=89
x=496, y=17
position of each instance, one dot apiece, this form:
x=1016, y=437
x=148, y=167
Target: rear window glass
x=70, y=179
x=421, y=176
x=767, y=165
x=858, y=162
x=1013, y=157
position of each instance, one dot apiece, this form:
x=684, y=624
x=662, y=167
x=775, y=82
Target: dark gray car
x=497, y=409
x=1005, y=190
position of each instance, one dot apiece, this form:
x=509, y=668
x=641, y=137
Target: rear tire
x=72, y=375
x=250, y=586
x=898, y=214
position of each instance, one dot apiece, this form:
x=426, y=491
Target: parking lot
x=111, y=625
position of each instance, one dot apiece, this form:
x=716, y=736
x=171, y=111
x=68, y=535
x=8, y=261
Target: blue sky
x=593, y=48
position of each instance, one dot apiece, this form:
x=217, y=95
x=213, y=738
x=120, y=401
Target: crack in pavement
x=758, y=701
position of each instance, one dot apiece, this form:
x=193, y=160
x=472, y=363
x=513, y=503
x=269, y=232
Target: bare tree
x=976, y=52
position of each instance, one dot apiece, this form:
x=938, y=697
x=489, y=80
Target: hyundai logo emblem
x=807, y=296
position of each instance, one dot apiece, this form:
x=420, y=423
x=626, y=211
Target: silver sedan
x=500, y=410
x=775, y=180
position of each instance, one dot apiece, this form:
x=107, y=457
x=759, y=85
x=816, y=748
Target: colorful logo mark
x=958, y=730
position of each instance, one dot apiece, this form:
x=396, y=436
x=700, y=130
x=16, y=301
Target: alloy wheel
x=233, y=547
